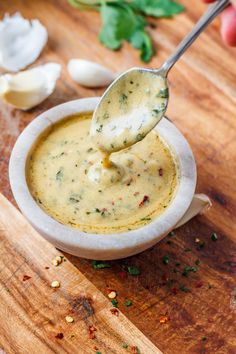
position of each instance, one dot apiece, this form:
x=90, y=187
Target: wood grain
x=203, y=106
x=33, y=313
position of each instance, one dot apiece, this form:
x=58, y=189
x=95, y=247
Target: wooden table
x=203, y=106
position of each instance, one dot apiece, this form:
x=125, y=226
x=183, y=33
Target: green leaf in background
x=119, y=22
x=124, y=20
x=157, y=8
x=141, y=40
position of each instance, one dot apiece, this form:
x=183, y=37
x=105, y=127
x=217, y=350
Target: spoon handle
x=212, y=11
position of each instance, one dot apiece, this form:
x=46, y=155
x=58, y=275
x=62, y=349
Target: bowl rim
x=81, y=243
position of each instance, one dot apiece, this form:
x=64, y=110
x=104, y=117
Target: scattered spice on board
x=69, y=319
x=46, y=268
x=201, y=245
x=187, y=250
x=55, y=284
x=145, y=200
x=165, y=259
x=135, y=350
x=26, y=277
x=197, y=262
x=114, y=312
x=59, y=335
x=160, y=172
x=100, y=264
x=203, y=338
x=122, y=275
x=132, y=270
x=112, y=294
x=174, y=291
x=92, y=331
x=214, y=237
x=198, y=284
x=171, y=234
x=97, y=352
x=164, y=319
x=184, y=289
x=128, y=302
x=114, y=303
x=125, y=346
x=189, y=269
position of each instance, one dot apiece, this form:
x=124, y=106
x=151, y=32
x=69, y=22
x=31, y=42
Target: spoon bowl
x=131, y=107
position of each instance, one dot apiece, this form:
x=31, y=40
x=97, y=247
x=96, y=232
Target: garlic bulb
x=28, y=88
x=199, y=204
x=89, y=74
x=21, y=41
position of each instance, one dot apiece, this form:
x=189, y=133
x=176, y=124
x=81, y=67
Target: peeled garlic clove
x=199, y=204
x=21, y=41
x=89, y=74
x=28, y=88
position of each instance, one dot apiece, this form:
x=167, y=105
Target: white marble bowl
x=93, y=246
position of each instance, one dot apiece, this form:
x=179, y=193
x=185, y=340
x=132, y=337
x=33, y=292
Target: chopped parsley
x=114, y=303
x=165, y=259
x=214, y=237
x=128, y=303
x=100, y=264
x=184, y=289
x=132, y=270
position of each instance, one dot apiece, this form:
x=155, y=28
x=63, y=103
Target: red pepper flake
x=160, y=171
x=95, y=348
x=114, y=312
x=199, y=284
x=164, y=319
x=46, y=267
x=59, y=335
x=92, y=329
x=174, y=291
x=123, y=275
x=135, y=350
x=26, y=277
x=112, y=203
x=146, y=199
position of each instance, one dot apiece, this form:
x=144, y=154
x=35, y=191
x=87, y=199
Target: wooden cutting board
x=33, y=314
x=203, y=106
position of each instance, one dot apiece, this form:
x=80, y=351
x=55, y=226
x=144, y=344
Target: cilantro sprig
x=125, y=20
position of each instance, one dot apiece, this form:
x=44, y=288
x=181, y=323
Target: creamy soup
x=68, y=180
x=132, y=106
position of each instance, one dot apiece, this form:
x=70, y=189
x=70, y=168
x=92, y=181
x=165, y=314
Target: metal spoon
x=135, y=102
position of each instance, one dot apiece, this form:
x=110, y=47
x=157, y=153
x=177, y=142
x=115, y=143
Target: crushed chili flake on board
x=146, y=199
x=92, y=329
x=123, y=275
x=174, y=291
x=135, y=350
x=160, y=171
x=198, y=284
x=47, y=268
x=114, y=311
x=164, y=319
x=59, y=335
x=26, y=277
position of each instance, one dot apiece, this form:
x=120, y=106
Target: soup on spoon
x=130, y=108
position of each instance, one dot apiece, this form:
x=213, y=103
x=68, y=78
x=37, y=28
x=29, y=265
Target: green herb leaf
x=128, y=303
x=132, y=270
x=119, y=22
x=214, y=237
x=203, y=339
x=140, y=39
x=114, y=303
x=166, y=259
x=100, y=265
x=157, y=8
x=184, y=289
x=189, y=269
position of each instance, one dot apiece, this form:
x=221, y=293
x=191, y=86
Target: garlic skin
x=89, y=74
x=199, y=204
x=28, y=88
x=21, y=41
